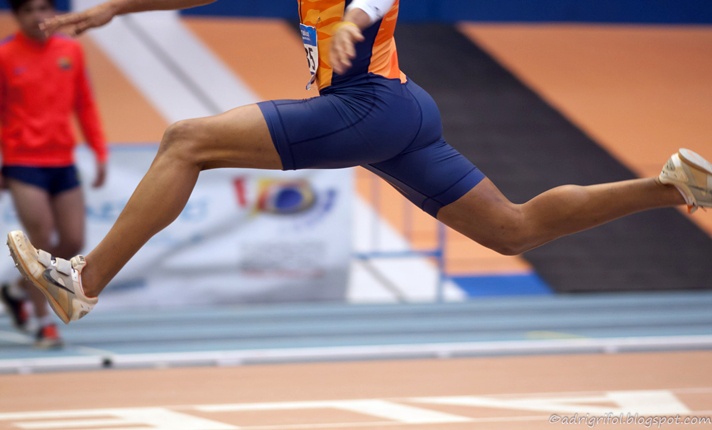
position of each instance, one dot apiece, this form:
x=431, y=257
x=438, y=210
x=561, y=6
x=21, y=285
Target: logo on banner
x=296, y=199
x=285, y=197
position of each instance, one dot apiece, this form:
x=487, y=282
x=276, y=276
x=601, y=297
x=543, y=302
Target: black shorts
x=54, y=180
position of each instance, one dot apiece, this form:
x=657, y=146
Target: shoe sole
x=695, y=160
x=49, y=344
x=14, y=253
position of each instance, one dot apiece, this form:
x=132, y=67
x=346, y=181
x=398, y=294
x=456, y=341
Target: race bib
x=311, y=49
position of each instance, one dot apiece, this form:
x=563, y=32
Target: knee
x=510, y=237
x=500, y=227
x=510, y=243
x=182, y=139
x=509, y=247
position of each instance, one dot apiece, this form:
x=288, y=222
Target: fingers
x=80, y=28
x=54, y=24
x=75, y=24
x=342, y=58
x=100, y=178
x=343, y=48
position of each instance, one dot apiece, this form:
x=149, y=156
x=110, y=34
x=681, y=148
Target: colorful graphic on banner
x=245, y=236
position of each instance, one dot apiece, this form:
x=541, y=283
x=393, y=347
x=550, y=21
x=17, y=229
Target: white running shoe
x=692, y=176
x=58, y=279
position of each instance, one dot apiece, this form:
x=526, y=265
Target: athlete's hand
x=343, y=46
x=100, y=178
x=74, y=24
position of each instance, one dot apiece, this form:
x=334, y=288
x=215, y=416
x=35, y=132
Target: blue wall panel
x=604, y=11
x=615, y=11
x=262, y=8
x=61, y=4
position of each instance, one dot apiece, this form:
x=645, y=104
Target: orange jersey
x=41, y=86
x=376, y=54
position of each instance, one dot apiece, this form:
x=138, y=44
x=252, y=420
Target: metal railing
x=410, y=223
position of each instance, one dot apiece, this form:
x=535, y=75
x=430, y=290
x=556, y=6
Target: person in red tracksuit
x=43, y=82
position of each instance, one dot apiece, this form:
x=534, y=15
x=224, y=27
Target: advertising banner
x=245, y=236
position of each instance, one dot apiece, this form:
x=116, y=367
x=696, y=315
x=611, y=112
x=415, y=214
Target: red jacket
x=41, y=85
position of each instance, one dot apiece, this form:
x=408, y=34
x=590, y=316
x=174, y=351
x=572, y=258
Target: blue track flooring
x=479, y=326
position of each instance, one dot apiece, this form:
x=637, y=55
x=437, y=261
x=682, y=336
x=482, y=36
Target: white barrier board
x=245, y=236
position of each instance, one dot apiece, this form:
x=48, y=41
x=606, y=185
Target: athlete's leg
x=69, y=220
x=486, y=216
x=460, y=196
x=34, y=211
x=238, y=138
x=326, y=131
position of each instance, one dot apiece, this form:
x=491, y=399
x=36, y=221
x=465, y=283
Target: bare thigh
x=54, y=223
x=237, y=138
x=34, y=210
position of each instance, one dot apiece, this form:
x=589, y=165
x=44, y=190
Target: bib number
x=311, y=50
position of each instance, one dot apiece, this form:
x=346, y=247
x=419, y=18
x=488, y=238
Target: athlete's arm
x=3, y=96
x=101, y=14
x=3, y=101
x=375, y=9
x=88, y=118
x=360, y=14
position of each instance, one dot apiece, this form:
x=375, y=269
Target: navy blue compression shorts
x=54, y=180
x=390, y=128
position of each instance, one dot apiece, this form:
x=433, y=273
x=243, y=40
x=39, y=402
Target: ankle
x=674, y=195
x=87, y=283
x=89, y=291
